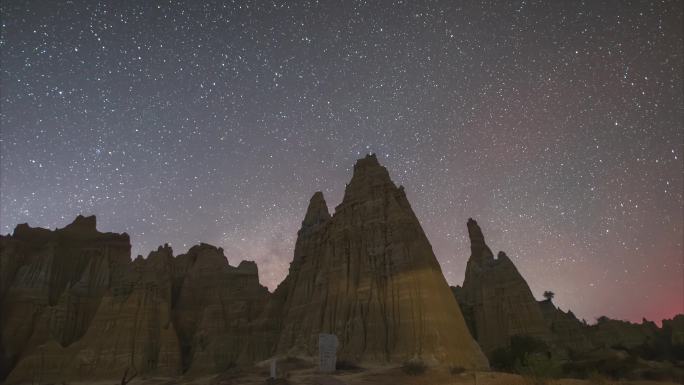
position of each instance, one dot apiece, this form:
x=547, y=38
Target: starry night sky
x=558, y=125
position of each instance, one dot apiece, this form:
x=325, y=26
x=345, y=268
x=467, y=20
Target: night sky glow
x=558, y=125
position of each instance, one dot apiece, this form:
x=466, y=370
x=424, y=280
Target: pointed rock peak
x=317, y=212
x=369, y=181
x=369, y=166
x=478, y=247
x=83, y=224
x=474, y=231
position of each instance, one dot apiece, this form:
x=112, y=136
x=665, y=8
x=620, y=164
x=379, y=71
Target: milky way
x=558, y=125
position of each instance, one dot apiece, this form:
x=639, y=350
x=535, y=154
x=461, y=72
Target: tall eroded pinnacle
x=317, y=212
x=478, y=248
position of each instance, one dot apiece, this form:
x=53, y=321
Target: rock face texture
x=368, y=275
x=496, y=299
x=73, y=306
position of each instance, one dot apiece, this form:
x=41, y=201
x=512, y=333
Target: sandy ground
x=375, y=376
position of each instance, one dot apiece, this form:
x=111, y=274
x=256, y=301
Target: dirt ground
x=371, y=376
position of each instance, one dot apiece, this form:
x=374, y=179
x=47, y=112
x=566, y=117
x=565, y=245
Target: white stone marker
x=327, y=352
x=273, y=369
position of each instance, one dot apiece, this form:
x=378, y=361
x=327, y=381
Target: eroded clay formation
x=74, y=306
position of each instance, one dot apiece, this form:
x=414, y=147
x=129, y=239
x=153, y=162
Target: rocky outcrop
x=54, y=283
x=368, y=275
x=74, y=306
x=568, y=332
x=496, y=299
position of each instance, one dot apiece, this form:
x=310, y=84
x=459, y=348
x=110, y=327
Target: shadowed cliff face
x=496, y=299
x=368, y=275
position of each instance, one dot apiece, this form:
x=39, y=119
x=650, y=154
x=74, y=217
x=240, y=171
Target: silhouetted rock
x=496, y=299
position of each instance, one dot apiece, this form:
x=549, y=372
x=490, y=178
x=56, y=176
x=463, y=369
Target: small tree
x=549, y=295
